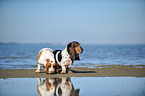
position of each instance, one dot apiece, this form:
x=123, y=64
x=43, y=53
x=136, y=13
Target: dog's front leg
x=63, y=80
x=38, y=68
x=70, y=63
x=38, y=81
x=63, y=69
x=69, y=67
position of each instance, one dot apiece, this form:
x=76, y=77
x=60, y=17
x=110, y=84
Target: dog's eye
x=76, y=45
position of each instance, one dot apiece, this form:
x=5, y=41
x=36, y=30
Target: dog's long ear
x=77, y=57
x=71, y=51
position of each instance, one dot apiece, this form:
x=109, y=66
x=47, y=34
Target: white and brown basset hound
x=52, y=60
x=56, y=87
x=47, y=86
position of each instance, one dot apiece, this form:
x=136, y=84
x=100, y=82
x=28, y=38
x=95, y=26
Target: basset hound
x=46, y=59
x=65, y=88
x=56, y=87
x=47, y=86
x=52, y=60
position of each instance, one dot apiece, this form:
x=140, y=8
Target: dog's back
x=44, y=54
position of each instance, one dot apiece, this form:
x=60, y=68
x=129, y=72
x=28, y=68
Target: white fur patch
x=46, y=54
x=65, y=58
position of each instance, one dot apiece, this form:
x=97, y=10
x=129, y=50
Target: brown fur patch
x=72, y=52
x=75, y=50
x=48, y=85
x=78, y=49
x=39, y=91
x=39, y=56
x=47, y=66
x=56, y=68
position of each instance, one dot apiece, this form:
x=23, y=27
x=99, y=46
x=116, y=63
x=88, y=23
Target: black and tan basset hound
x=63, y=59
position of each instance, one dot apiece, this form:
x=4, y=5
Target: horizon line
x=67, y=43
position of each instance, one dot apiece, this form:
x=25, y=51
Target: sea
x=24, y=56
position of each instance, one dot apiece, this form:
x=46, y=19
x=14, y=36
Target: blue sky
x=61, y=21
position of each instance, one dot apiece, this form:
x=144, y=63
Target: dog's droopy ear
x=71, y=50
x=77, y=57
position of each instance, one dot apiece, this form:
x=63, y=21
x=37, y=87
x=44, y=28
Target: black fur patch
x=59, y=55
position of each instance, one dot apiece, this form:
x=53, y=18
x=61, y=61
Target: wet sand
x=99, y=71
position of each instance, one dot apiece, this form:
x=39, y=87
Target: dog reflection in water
x=56, y=87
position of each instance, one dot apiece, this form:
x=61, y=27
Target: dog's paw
x=63, y=72
x=70, y=72
x=37, y=71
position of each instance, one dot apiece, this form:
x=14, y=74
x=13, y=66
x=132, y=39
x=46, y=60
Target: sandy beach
x=100, y=71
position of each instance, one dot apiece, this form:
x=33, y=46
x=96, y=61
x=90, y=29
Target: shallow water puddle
x=75, y=86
